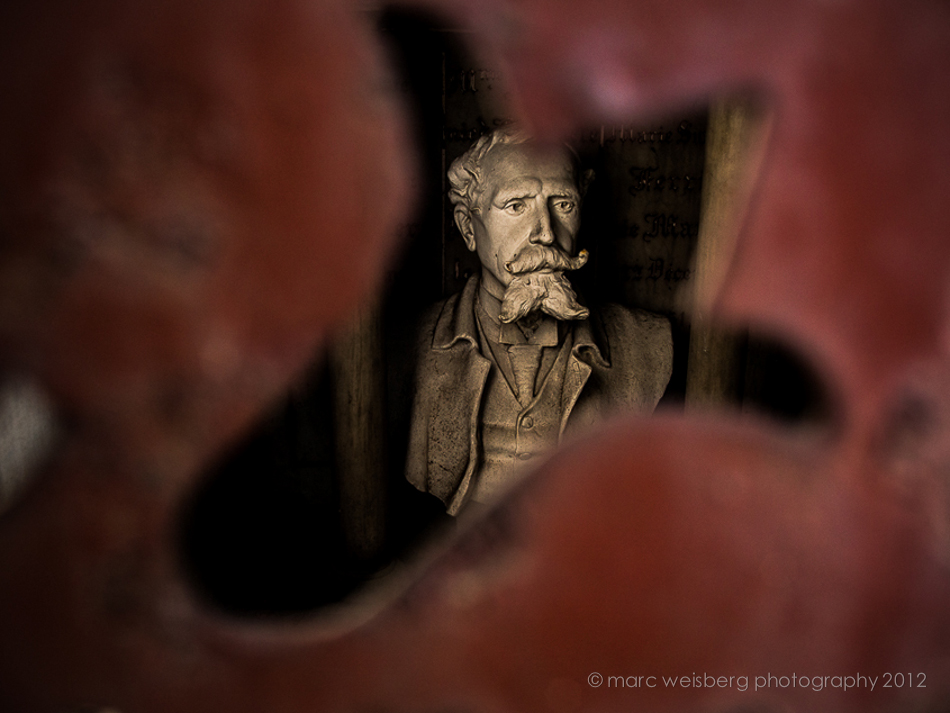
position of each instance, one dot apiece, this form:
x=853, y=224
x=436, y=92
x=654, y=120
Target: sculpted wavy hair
x=465, y=173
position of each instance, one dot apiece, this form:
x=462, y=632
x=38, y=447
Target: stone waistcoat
x=513, y=433
x=619, y=358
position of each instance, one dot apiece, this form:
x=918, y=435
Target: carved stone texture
x=675, y=547
x=514, y=362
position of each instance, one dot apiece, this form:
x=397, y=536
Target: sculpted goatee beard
x=539, y=284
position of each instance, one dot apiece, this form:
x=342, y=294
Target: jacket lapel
x=586, y=355
x=451, y=380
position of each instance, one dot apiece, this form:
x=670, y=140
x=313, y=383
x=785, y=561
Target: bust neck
x=491, y=285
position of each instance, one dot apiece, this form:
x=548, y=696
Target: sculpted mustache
x=548, y=292
x=544, y=257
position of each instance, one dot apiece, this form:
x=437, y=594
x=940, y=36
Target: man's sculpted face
x=527, y=197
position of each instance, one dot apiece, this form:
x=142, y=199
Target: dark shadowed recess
x=265, y=533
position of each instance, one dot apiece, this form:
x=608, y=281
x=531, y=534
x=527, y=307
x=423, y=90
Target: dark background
x=265, y=533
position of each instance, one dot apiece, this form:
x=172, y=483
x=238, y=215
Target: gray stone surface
x=28, y=431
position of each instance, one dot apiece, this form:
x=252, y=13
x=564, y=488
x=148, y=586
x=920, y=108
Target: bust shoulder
x=632, y=324
x=450, y=321
x=638, y=345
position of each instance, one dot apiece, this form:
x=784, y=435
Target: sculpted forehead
x=509, y=165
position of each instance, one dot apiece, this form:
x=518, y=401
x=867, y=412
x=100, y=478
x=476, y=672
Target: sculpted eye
x=515, y=207
x=563, y=205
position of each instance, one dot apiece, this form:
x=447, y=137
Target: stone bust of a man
x=513, y=362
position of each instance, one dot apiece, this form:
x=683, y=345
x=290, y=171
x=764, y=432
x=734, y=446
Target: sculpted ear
x=463, y=219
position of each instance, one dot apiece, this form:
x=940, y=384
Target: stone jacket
x=621, y=358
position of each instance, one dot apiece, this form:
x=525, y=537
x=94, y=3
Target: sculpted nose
x=543, y=232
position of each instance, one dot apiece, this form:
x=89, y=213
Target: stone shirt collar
x=457, y=322
x=547, y=334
